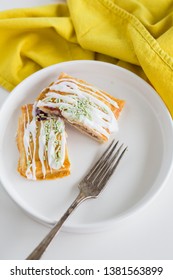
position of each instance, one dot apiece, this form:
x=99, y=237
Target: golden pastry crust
x=96, y=111
x=33, y=137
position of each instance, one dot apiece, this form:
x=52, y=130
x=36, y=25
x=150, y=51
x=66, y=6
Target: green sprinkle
x=82, y=108
x=28, y=163
x=104, y=110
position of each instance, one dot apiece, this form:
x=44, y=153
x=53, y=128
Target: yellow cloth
x=135, y=34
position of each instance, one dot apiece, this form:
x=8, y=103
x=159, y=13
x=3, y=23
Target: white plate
x=144, y=125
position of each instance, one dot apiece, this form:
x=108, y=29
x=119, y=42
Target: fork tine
x=107, y=163
x=102, y=159
x=117, y=162
x=110, y=167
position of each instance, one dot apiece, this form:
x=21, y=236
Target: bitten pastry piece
x=42, y=146
x=89, y=109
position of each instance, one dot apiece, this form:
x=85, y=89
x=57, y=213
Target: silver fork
x=90, y=187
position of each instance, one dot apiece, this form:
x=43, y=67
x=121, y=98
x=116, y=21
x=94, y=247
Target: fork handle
x=39, y=250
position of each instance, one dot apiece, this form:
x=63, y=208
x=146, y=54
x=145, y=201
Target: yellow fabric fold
x=135, y=34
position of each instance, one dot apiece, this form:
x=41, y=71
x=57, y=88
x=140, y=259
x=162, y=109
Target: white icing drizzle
x=51, y=143
x=81, y=105
x=28, y=133
x=41, y=151
x=89, y=88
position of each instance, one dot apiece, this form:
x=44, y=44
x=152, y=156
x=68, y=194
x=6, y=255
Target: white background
x=147, y=234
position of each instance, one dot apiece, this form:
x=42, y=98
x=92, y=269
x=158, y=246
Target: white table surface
x=147, y=234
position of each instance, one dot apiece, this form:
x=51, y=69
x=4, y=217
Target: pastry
x=41, y=142
x=84, y=106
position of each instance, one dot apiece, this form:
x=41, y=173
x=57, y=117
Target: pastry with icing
x=41, y=142
x=84, y=106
